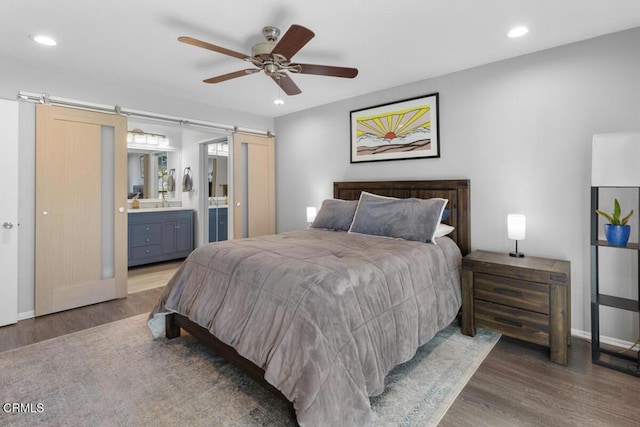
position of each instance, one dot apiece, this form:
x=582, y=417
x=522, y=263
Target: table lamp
x=516, y=230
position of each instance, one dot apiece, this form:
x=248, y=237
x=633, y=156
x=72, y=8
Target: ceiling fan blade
x=287, y=85
x=292, y=41
x=205, y=45
x=230, y=76
x=327, y=70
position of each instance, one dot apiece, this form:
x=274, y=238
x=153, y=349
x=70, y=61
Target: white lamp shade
x=615, y=160
x=311, y=213
x=516, y=226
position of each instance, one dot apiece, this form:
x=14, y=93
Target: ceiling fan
x=274, y=58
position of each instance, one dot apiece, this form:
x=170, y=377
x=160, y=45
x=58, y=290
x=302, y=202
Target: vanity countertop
x=219, y=206
x=159, y=209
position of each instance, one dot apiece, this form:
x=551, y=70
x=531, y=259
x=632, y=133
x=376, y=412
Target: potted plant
x=617, y=231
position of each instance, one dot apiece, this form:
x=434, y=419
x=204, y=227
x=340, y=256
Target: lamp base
x=516, y=253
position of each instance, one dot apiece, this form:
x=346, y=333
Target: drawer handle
x=504, y=291
x=177, y=226
x=147, y=228
x=508, y=321
x=147, y=251
x=146, y=240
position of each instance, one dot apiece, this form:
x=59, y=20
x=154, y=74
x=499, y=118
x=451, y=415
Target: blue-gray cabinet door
x=177, y=236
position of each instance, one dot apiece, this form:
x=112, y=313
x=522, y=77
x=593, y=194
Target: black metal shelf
x=631, y=246
x=618, y=302
x=616, y=360
x=630, y=369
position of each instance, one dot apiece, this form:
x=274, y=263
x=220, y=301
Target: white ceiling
x=134, y=43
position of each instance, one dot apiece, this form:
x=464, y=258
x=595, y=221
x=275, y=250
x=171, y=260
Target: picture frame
x=406, y=129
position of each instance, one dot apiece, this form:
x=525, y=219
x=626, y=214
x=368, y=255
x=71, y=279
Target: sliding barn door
x=254, y=197
x=81, y=208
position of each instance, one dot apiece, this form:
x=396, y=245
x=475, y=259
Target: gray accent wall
x=519, y=129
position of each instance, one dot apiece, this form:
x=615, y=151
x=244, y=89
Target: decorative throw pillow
x=443, y=230
x=409, y=219
x=335, y=214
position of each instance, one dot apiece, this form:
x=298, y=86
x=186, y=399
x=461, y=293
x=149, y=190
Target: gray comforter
x=326, y=314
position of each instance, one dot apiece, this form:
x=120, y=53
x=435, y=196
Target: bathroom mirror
x=218, y=194
x=153, y=150
x=148, y=173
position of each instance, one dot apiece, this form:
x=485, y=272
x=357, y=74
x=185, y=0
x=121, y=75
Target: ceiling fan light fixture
x=274, y=58
x=271, y=69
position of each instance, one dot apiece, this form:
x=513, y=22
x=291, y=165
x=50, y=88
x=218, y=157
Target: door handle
x=8, y=225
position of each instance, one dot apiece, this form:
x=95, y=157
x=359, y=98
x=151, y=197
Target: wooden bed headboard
x=457, y=191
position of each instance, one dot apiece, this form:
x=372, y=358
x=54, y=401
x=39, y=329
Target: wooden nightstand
x=526, y=298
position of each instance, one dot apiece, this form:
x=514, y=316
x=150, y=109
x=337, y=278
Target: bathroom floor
x=151, y=276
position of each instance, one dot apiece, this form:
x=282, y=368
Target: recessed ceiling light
x=42, y=39
x=518, y=32
x=278, y=101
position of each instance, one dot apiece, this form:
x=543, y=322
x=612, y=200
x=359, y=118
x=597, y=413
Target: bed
x=321, y=316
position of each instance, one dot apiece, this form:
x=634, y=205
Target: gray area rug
x=116, y=375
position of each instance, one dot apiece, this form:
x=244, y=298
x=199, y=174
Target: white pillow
x=443, y=230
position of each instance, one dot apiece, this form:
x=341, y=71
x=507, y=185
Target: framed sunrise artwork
x=401, y=130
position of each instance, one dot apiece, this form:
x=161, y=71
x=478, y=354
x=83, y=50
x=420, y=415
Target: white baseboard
x=26, y=315
x=604, y=339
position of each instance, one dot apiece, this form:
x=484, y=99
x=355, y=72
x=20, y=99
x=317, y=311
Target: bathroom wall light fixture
x=141, y=139
x=516, y=230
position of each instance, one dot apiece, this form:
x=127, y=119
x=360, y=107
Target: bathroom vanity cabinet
x=218, y=224
x=159, y=235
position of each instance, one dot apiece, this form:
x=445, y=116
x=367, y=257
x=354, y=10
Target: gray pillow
x=409, y=219
x=335, y=214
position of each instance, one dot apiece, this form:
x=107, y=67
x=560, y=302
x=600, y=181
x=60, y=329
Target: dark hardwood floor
x=42, y=328
x=516, y=385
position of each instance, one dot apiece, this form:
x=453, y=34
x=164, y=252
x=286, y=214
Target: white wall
x=519, y=129
x=14, y=78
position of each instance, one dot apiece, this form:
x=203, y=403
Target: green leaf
x=614, y=219
x=626, y=218
x=606, y=215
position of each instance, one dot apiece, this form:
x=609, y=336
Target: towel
x=187, y=182
x=171, y=180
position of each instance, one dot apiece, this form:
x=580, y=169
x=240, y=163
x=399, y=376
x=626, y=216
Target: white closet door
x=9, y=212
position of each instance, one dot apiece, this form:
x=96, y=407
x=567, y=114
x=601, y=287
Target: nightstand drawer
x=513, y=322
x=512, y=292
